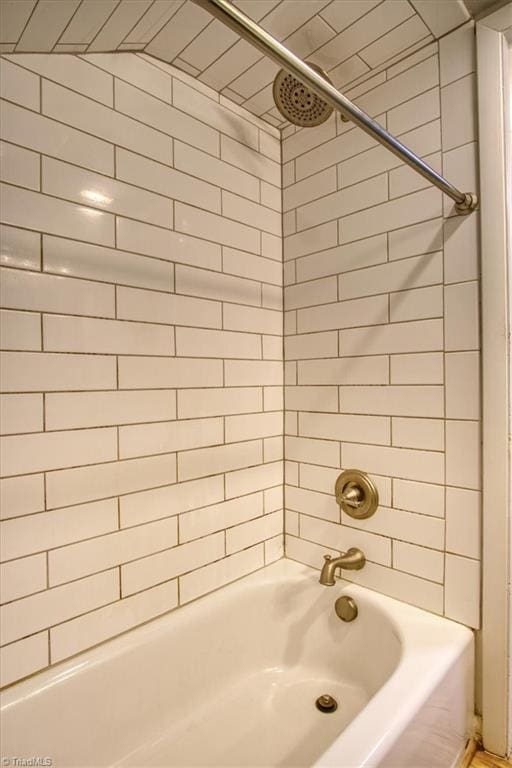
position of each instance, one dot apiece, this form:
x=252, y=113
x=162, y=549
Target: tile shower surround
x=382, y=335
x=142, y=328
x=142, y=464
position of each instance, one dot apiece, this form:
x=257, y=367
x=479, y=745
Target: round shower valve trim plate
x=356, y=494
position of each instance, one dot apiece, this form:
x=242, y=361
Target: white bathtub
x=231, y=680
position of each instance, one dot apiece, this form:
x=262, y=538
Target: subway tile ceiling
x=348, y=38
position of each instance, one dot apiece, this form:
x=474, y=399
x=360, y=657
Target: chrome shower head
x=297, y=103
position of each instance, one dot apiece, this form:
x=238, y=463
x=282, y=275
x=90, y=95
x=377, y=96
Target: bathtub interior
x=229, y=680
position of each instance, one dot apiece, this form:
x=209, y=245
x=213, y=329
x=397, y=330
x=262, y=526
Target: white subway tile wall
x=141, y=372
x=382, y=336
x=142, y=362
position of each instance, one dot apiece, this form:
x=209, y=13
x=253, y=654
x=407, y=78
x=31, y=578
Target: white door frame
x=492, y=73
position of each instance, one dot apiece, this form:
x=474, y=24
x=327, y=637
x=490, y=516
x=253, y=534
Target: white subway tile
x=104, y=123
x=19, y=166
x=160, y=567
x=395, y=276
x=168, y=436
x=461, y=262
x=223, y=344
x=163, y=244
x=240, y=373
x=250, y=533
x=425, y=237
x=66, y=181
x=252, y=267
x=47, y=293
x=73, y=486
x=463, y=511
x=53, y=138
x=20, y=330
x=21, y=496
x=77, y=334
x=344, y=314
x=201, y=522
x=418, y=304
x=78, y=560
x=311, y=240
x=218, y=402
x=22, y=577
x=243, y=157
x=419, y=433
x=71, y=71
x=21, y=413
x=222, y=458
x=216, y=575
x=28, y=372
x=252, y=319
x=213, y=285
x=416, y=111
x=418, y=206
x=418, y=561
x=165, y=373
x=20, y=248
x=255, y=478
x=133, y=69
x=306, y=552
x=273, y=498
x=355, y=370
x=153, y=112
x=148, y=306
x=462, y=590
x=251, y=426
x=419, y=336
x=343, y=258
x=463, y=459
x=16, y=84
x=25, y=535
x=273, y=398
x=457, y=53
x=22, y=207
x=417, y=369
x=271, y=246
x=462, y=316
x=399, y=462
x=419, y=497
x=393, y=400
x=70, y=257
x=86, y=631
x=93, y=409
x=45, y=451
x=423, y=530
x=461, y=165
x=248, y=212
x=311, y=345
x=462, y=385
x=359, y=196
x=308, y=294
x=367, y=429
x=324, y=452
x=272, y=347
x=320, y=398
x=203, y=166
x=458, y=103
x=307, y=502
x=316, y=186
x=23, y=658
x=146, y=173
x=216, y=228
x=45, y=609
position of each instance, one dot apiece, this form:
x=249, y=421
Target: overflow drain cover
x=326, y=703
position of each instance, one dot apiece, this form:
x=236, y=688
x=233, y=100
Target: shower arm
x=465, y=202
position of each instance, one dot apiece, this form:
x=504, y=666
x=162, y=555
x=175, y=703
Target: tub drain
x=326, y=703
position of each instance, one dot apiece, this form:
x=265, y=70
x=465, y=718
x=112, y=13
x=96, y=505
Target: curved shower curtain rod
x=465, y=202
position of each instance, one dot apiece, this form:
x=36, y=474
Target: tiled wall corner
x=142, y=349
x=382, y=335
